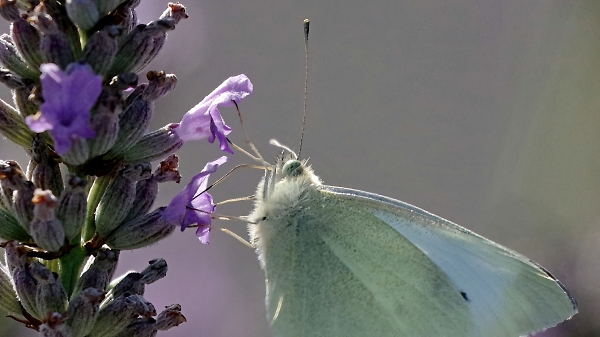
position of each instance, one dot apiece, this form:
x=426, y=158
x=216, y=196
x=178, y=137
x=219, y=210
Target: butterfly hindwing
x=508, y=294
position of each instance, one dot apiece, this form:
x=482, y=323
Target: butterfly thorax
x=280, y=196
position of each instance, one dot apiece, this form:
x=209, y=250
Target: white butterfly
x=342, y=263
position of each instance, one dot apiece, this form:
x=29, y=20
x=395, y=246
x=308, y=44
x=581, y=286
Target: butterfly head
x=292, y=168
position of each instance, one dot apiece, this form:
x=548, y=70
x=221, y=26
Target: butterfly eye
x=292, y=168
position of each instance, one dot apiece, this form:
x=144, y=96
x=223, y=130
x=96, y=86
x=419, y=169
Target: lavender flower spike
x=204, y=120
x=68, y=98
x=188, y=208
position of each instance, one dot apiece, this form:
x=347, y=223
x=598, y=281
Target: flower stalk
x=89, y=189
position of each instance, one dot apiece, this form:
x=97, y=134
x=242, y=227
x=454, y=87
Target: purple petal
x=205, y=121
x=220, y=131
x=203, y=234
x=83, y=81
x=189, y=207
x=38, y=123
x=68, y=99
x=234, y=88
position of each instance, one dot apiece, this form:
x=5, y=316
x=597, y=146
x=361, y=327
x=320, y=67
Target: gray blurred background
x=486, y=113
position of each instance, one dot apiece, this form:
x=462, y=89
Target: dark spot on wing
x=464, y=295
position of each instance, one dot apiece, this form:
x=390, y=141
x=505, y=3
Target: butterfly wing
x=335, y=270
x=506, y=293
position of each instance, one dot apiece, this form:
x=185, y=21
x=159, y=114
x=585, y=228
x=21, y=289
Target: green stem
x=71, y=268
x=52, y=265
x=94, y=197
x=83, y=37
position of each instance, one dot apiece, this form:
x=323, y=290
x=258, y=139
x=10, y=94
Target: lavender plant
x=88, y=189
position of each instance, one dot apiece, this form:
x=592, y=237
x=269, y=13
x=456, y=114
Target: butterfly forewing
x=508, y=294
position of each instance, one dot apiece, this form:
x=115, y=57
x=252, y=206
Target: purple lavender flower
x=189, y=207
x=68, y=98
x=204, y=120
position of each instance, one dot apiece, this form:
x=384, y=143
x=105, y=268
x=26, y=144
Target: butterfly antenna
x=306, y=28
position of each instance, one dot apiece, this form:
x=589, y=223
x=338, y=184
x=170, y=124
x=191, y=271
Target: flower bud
x=129, y=20
x=27, y=40
x=9, y=10
x=46, y=174
x=147, y=190
x=78, y=153
x=54, y=326
x=55, y=46
x=135, y=94
x=106, y=126
x=105, y=116
x=31, y=166
x=13, y=127
x=24, y=283
x=116, y=315
x=83, y=311
x=16, y=256
x=11, y=178
x=167, y=170
x=129, y=284
x=133, y=46
x=124, y=81
x=110, y=271
x=156, y=270
x=46, y=230
x=23, y=205
x=145, y=308
x=133, y=123
x=155, y=145
x=10, y=229
x=145, y=193
x=176, y=11
x=83, y=13
x=56, y=11
x=101, y=48
x=159, y=84
x=139, y=44
x=26, y=288
x=140, y=232
x=99, y=272
x=118, y=198
x=51, y=295
x=140, y=327
x=107, y=6
x=170, y=317
x=11, y=80
x=158, y=41
x=8, y=297
x=25, y=105
x=6, y=197
x=121, y=13
x=10, y=59
x=72, y=207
